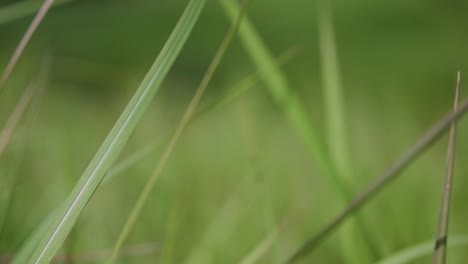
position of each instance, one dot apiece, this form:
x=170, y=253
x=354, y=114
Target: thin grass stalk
x=21, y=9
x=136, y=211
x=422, y=144
x=117, y=138
x=337, y=132
x=355, y=249
x=24, y=41
x=411, y=254
x=440, y=249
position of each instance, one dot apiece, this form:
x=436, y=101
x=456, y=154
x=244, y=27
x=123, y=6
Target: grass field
x=310, y=102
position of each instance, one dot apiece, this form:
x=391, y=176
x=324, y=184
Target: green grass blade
x=21, y=9
x=411, y=254
x=359, y=243
x=440, y=250
x=135, y=213
x=117, y=138
x=333, y=93
x=422, y=144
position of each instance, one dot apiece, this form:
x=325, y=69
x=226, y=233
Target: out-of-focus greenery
x=242, y=168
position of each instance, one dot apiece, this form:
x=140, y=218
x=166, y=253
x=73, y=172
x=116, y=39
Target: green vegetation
x=254, y=161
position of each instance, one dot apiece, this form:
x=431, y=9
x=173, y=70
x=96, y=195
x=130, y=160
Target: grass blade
x=410, y=254
x=440, y=250
x=117, y=138
x=21, y=9
x=382, y=180
x=175, y=137
x=357, y=241
x=333, y=93
x=24, y=41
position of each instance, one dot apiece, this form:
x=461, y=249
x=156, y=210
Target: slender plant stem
x=381, y=181
x=24, y=41
x=440, y=247
x=135, y=213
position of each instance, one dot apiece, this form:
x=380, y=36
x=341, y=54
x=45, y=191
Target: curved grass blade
x=423, y=143
x=21, y=9
x=135, y=213
x=337, y=131
x=358, y=242
x=24, y=41
x=440, y=250
x=411, y=254
x=118, y=136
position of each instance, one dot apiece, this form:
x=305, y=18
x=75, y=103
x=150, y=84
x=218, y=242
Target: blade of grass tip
x=175, y=137
x=423, y=143
x=337, y=139
x=281, y=92
x=409, y=255
x=21, y=9
x=118, y=136
x=24, y=41
x=440, y=251
x=233, y=93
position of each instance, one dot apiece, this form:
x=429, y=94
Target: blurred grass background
x=398, y=62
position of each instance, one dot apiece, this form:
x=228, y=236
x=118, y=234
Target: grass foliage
x=260, y=170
